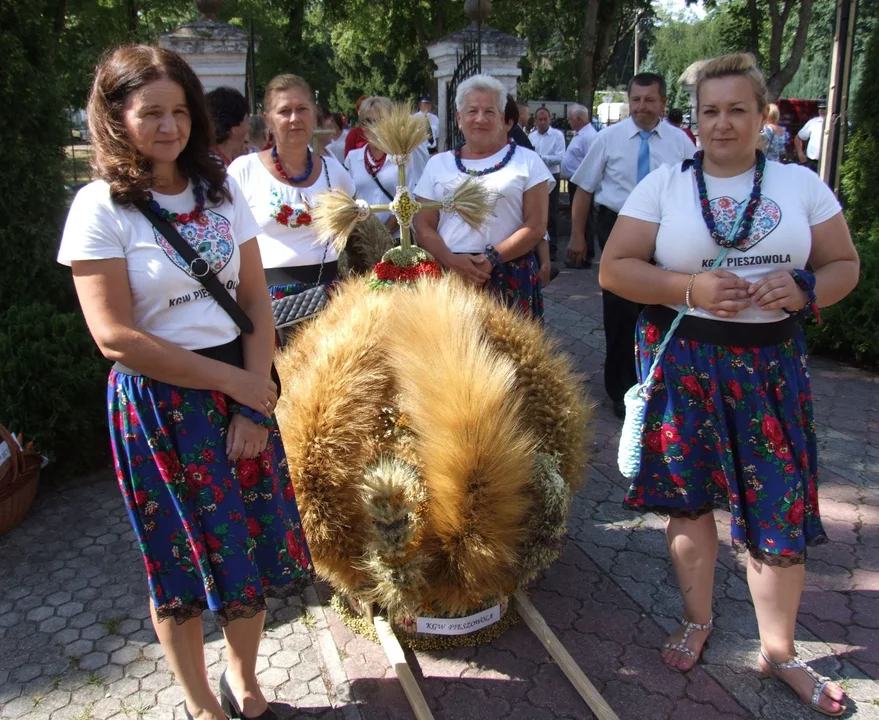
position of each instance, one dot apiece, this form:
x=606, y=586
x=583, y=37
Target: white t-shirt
x=793, y=199
x=167, y=300
x=813, y=131
x=524, y=171
x=282, y=245
x=366, y=187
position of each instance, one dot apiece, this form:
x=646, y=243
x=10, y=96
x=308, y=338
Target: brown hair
x=117, y=160
x=735, y=65
x=280, y=83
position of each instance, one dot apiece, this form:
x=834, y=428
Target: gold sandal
x=681, y=645
x=818, y=688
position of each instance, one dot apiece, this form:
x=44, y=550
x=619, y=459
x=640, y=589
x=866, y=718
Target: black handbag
x=294, y=309
x=203, y=273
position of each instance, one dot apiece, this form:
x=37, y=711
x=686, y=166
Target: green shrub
x=848, y=329
x=53, y=386
x=34, y=129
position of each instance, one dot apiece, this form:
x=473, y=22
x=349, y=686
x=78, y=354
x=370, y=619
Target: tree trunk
x=131, y=19
x=588, y=46
x=60, y=20
x=780, y=76
x=295, y=23
x=754, y=30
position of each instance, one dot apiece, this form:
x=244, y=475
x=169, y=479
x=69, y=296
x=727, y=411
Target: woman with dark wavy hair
x=197, y=452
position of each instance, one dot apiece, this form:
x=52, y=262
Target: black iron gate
x=469, y=64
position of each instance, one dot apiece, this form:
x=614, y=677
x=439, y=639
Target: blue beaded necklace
x=705, y=203
x=487, y=171
x=309, y=166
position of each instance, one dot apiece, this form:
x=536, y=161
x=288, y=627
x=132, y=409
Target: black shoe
x=553, y=273
x=186, y=713
x=574, y=266
x=619, y=409
x=230, y=706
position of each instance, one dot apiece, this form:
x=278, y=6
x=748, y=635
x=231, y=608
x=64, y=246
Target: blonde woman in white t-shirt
x=375, y=177
x=198, y=455
x=501, y=255
x=729, y=419
x=281, y=185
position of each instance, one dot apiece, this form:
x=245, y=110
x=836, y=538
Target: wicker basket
x=19, y=479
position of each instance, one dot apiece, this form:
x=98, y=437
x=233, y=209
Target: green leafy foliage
x=33, y=128
x=849, y=328
x=52, y=381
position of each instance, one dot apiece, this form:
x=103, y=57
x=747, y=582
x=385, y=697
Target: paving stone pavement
x=76, y=641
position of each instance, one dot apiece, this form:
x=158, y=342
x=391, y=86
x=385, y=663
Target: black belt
x=305, y=274
x=604, y=209
x=232, y=353
x=719, y=332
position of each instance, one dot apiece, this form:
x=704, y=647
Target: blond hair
x=772, y=113
x=373, y=107
x=735, y=65
x=280, y=83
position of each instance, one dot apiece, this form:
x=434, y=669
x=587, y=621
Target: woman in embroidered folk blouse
x=204, y=478
x=501, y=255
x=729, y=413
x=375, y=176
x=281, y=185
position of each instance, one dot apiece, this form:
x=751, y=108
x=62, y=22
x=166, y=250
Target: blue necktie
x=644, y=154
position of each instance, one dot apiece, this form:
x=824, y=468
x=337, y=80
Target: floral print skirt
x=214, y=534
x=517, y=284
x=732, y=428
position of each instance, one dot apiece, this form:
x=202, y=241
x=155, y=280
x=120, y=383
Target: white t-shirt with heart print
x=793, y=199
x=168, y=301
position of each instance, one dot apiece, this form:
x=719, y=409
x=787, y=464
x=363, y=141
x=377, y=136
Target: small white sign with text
x=459, y=626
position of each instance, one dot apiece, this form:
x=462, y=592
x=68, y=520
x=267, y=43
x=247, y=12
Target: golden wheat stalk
x=473, y=202
x=334, y=217
x=398, y=131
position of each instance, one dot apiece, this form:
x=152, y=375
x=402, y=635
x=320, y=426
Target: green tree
x=849, y=328
x=51, y=377
x=774, y=30
x=571, y=42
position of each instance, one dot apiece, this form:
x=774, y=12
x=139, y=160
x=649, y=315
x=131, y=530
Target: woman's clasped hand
x=724, y=294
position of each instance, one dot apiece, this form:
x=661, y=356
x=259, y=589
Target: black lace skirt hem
x=180, y=613
x=759, y=554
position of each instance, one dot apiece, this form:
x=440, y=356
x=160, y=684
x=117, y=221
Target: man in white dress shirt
x=620, y=157
x=425, y=105
x=813, y=133
x=584, y=134
x=549, y=144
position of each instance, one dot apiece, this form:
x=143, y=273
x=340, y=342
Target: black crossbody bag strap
x=199, y=268
x=382, y=187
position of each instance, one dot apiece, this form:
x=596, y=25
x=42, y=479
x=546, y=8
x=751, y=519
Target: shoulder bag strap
x=382, y=187
x=657, y=358
x=199, y=268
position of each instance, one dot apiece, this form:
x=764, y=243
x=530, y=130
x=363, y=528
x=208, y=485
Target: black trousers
x=589, y=232
x=552, y=222
x=620, y=317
